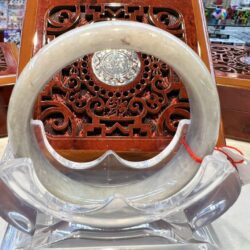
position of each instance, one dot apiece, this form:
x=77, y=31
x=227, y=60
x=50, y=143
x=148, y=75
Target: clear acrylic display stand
x=185, y=225
x=166, y=202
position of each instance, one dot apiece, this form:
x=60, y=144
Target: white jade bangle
x=205, y=112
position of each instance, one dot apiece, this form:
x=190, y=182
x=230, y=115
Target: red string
x=234, y=163
x=199, y=160
x=190, y=151
x=236, y=149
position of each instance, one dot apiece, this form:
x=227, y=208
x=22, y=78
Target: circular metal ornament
x=245, y=60
x=116, y=67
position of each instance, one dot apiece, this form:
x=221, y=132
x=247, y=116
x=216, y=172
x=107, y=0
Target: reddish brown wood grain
x=236, y=112
x=71, y=123
x=229, y=62
x=8, y=60
x=233, y=79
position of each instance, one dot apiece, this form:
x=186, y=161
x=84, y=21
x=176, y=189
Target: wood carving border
x=192, y=21
x=77, y=104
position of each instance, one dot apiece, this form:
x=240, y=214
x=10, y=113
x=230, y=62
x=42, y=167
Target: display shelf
x=227, y=24
x=229, y=14
x=230, y=35
x=11, y=17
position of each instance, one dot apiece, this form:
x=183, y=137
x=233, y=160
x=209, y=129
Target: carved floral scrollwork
x=152, y=99
x=58, y=118
x=168, y=20
x=63, y=18
x=231, y=59
x=76, y=103
x=170, y=118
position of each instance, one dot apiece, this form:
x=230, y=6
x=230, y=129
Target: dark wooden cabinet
x=232, y=69
x=235, y=105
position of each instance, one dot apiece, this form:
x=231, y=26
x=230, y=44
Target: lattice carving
x=63, y=18
x=3, y=63
x=231, y=60
x=77, y=104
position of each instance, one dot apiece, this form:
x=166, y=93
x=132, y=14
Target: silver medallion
x=116, y=67
x=245, y=60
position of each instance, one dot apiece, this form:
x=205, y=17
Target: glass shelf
x=228, y=23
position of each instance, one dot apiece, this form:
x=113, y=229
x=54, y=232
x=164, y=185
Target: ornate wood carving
x=80, y=111
x=232, y=68
x=77, y=104
x=231, y=61
x=63, y=18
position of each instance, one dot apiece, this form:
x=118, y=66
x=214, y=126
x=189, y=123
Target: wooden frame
x=30, y=33
x=33, y=36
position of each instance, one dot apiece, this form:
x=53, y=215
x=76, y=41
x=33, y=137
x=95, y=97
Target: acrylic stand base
x=65, y=236
x=185, y=226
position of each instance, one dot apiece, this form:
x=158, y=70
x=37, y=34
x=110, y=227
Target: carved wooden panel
x=231, y=61
x=148, y=107
x=232, y=68
x=63, y=18
x=80, y=111
x=8, y=68
x=8, y=64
